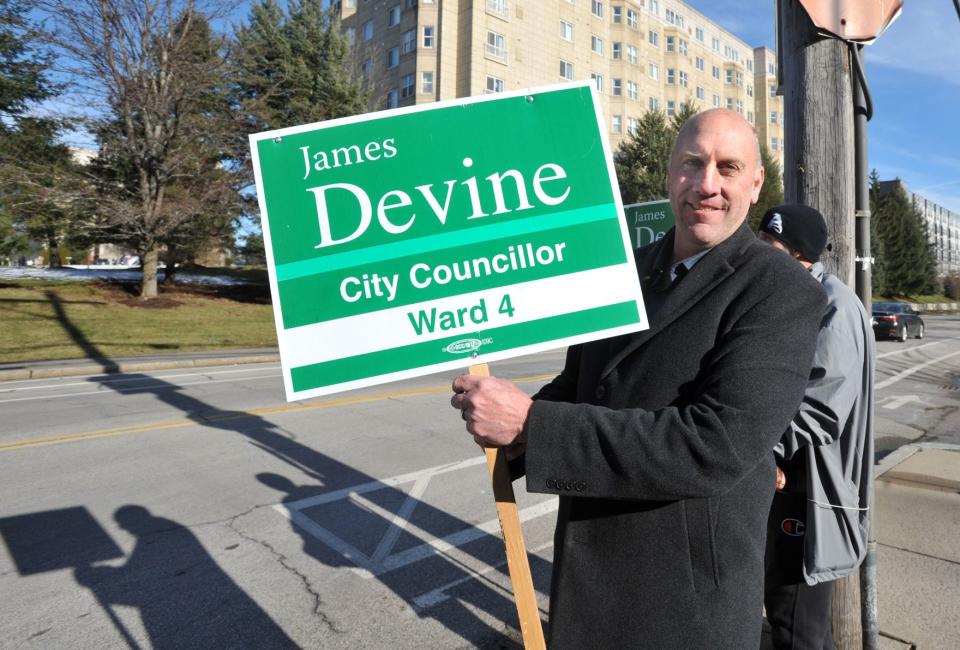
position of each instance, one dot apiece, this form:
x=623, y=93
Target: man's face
x=714, y=177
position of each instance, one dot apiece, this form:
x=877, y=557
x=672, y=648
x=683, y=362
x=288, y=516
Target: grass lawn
x=64, y=320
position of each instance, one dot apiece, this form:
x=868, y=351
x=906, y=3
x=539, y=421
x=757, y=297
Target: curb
x=131, y=366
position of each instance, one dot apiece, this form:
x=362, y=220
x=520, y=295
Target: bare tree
x=156, y=70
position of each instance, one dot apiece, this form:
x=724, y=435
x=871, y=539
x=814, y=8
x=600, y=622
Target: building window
x=653, y=38
x=631, y=18
x=682, y=79
x=597, y=81
x=773, y=117
x=698, y=34
x=716, y=101
x=616, y=123
x=750, y=65
x=773, y=143
x=365, y=69
x=393, y=18
x=494, y=84
x=750, y=116
x=368, y=30
x=654, y=6
x=716, y=72
x=566, y=31
x=409, y=4
x=771, y=69
x=407, y=85
x=654, y=104
x=670, y=44
x=632, y=90
x=426, y=82
x=670, y=76
x=596, y=44
x=740, y=106
x=749, y=90
x=616, y=14
x=496, y=45
x=497, y=7
x=683, y=47
x=617, y=51
x=701, y=95
x=674, y=18
x=773, y=91
x=566, y=69
x=739, y=78
x=393, y=98
x=617, y=89
x=409, y=42
x=393, y=57
x=700, y=63
x=654, y=71
x=631, y=125
x=671, y=108
x=716, y=44
x=596, y=6
x=730, y=103
x=632, y=54
x=428, y=36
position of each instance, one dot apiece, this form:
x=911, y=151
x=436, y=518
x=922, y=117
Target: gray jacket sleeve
x=829, y=395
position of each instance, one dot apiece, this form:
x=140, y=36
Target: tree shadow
x=424, y=584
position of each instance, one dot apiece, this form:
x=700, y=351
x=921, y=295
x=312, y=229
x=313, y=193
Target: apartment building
x=641, y=54
x=943, y=227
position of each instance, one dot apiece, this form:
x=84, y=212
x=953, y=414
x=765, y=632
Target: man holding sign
x=659, y=442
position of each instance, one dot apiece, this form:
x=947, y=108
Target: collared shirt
x=687, y=262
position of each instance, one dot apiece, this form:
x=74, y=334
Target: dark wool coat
x=660, y=446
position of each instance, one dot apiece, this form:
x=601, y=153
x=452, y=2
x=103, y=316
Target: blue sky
x=913, y=71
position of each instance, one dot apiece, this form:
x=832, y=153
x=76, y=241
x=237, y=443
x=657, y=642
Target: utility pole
x=819, y=172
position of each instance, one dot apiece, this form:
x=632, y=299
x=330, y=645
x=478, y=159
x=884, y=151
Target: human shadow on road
x=475, y=591
x=184, y=598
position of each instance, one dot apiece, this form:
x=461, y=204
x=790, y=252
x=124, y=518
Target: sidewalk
x=916, y=515
x=75, y=367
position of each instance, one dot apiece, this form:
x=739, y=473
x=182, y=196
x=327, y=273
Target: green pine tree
x=771, y=193
x=642, y=160
x=909, y=267
x=878, y=276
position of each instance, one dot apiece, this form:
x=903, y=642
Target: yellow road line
x=237, y=415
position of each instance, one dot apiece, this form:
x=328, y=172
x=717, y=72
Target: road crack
x=283, y=561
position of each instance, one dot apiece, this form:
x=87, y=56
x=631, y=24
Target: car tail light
x=892, y=319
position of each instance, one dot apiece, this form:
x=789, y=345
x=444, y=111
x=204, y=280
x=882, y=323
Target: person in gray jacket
x=819, y=520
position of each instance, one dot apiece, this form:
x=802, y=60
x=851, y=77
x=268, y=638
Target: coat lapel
x=712, y=269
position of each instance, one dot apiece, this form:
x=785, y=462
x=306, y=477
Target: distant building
x=641, y=54
x=943, y=227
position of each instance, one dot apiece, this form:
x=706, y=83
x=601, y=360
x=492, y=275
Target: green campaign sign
x=432, y=237
x=648, y=222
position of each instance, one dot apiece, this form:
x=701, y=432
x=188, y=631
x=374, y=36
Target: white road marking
x=122, y=378
x=915, y=347
x=909, y=371
x=896, y=401
x=439, y=595
x=381, y=561
x=135, y=389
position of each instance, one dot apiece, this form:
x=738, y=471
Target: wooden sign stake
x=517, y=562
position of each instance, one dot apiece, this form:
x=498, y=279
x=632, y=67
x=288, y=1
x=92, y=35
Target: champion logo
x=793, y=527
x=776, y=223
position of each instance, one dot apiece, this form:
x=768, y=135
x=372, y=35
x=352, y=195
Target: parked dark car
x=896, y=320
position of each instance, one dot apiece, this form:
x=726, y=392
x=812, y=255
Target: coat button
x=551, y=483
x=581, y=486
x=601, y=391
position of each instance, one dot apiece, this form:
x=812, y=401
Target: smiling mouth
x=700, y=207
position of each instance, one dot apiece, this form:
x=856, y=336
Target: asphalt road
x=195, y=508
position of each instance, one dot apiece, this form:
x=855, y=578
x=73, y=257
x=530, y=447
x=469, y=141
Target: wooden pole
x=520, y=577
x=818, y=171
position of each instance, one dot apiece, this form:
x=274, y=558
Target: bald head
x=715, y=174
x=716, y=118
